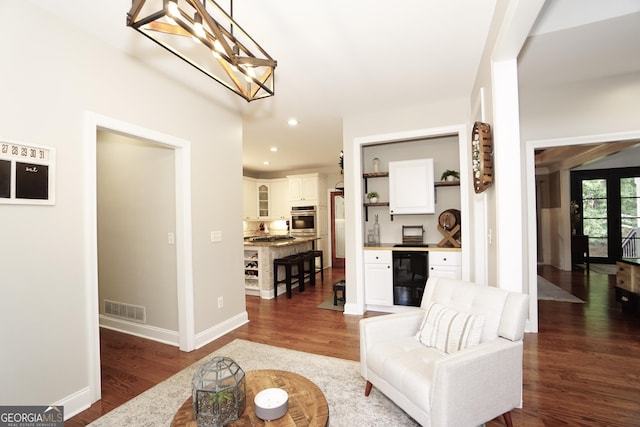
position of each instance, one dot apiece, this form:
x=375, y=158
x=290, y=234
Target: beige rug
x=328, y=305
x=339, y=380
x=603, y=268
x=550, y=292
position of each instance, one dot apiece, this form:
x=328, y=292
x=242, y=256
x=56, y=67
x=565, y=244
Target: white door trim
x=186, y=318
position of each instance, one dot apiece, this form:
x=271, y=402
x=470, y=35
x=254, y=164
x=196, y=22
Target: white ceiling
x=337, y=57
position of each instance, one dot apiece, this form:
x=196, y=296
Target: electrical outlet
x=216, y=236
x=171, y=238
x=220, y=302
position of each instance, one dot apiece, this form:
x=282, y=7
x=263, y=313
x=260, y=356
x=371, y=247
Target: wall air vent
x=135, y=313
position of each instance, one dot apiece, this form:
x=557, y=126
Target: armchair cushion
x=449, y=330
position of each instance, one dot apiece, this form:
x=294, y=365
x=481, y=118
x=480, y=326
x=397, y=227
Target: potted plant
x=372, y=196
x=450, y=175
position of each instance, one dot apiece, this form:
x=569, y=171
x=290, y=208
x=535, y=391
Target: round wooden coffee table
x=307, y=404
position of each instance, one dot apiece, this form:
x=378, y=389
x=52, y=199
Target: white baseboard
x=211, y=334
x=75, y=403
x=165, y=336
x=354, y=309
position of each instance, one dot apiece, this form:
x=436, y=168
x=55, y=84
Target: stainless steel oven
x=303, y=221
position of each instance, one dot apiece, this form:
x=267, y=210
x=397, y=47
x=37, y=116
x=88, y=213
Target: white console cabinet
x=446, y=264
x=378, y=277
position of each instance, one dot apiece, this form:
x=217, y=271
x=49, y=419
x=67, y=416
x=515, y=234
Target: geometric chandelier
x=201, y=33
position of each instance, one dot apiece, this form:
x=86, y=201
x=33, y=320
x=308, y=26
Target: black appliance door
x=410, y=273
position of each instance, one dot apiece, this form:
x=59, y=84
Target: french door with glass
x=606, y=207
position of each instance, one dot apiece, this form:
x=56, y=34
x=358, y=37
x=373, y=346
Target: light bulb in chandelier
x=198, y=28
x=172, y=8
x=217, y=49
x=249, y=73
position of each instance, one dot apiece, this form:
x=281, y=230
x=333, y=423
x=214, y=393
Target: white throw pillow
x=449, y=330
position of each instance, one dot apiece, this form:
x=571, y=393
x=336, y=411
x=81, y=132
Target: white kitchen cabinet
x=279, y=199
x=378, y=277
x=411, y=187
x=307, y=189
x=249, y=198
x=447, y=264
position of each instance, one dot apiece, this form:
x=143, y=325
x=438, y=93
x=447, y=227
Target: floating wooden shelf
x=375, y=174
x=447, y=183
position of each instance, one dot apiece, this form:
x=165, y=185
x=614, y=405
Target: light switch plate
x=216, y=236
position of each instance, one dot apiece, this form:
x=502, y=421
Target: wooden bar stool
x=318, y=254
x=339, y=287
x=294, y=273
x=309, y=267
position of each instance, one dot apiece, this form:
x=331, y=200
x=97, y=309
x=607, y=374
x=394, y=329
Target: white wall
x=52, y=74
x=583, y=108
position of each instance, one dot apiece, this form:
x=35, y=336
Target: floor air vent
x=135, y=313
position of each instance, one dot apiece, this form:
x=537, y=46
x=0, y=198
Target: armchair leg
x=367, y=388
x=507, y=419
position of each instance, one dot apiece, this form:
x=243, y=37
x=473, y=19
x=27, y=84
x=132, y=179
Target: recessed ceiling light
x=266, y=163
x=274, y=149
x=293, y=122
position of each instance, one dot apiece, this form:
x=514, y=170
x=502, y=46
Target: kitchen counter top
x=281, y=243
x=633, y=261
x=391, y=247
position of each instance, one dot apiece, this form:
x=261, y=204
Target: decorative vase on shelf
x=376, y=231
x=375, y=163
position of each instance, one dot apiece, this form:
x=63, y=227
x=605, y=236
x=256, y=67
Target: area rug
x=339, y=380
x=609, y=269
x=328, y=305
x=550, y=292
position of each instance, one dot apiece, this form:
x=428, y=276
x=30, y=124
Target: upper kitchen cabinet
x=411, y=187
x=264, y=193
x=279, y=199
x=265, y=199
x=307, y=189
x=249, y=198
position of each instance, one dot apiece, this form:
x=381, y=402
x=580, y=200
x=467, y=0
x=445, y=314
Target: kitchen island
x=258, y=262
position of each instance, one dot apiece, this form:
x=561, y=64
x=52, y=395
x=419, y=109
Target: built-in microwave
x=303, y=221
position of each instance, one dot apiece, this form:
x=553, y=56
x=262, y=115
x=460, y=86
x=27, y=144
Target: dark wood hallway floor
x=582, y=369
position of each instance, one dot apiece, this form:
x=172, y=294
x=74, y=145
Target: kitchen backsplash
x=255, y=227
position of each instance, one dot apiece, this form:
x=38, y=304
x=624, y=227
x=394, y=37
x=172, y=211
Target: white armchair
x=467, y=387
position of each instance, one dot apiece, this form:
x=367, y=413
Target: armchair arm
x=386, y=327
x=477, y=384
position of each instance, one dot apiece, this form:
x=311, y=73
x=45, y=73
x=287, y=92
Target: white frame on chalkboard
x=15, y=152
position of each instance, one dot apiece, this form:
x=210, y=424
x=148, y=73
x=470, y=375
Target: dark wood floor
x=582, y=369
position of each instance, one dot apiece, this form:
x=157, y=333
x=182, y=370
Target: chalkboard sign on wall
x=27, y=174
x=5, y=179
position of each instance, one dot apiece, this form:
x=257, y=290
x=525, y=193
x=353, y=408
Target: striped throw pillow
x=449, y=330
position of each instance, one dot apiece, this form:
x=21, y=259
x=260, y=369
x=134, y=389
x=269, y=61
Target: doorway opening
x=184, y=283
x=605, y=144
